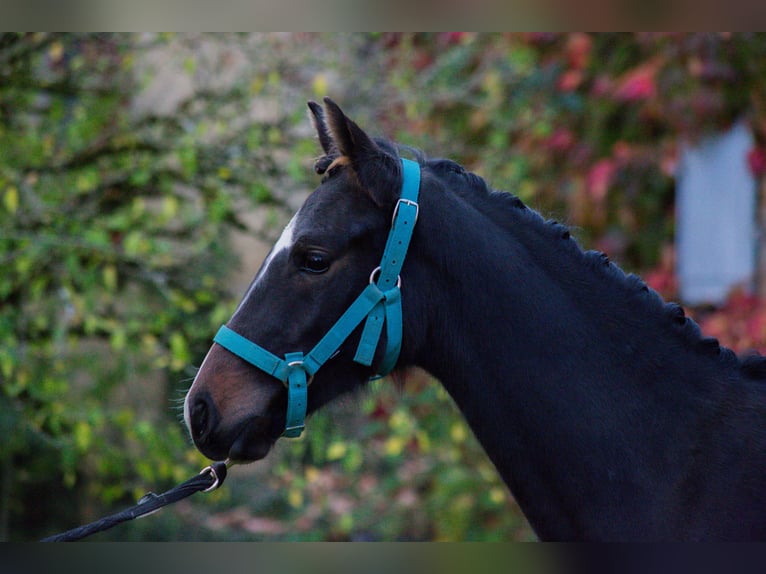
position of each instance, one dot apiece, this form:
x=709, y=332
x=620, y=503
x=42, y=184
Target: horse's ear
x=349, y=138
x=376, y=170
x=317, y=118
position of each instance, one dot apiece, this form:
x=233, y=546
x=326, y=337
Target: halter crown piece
x=380, y=302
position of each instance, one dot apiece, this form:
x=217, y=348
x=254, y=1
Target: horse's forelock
x=323, y=163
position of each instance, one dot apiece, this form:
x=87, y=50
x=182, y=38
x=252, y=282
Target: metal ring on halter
x=309, y=380
x=377, y=270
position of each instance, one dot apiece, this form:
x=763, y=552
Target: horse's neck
x=562, y=398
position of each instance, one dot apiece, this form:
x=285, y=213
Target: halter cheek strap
x=380, y=302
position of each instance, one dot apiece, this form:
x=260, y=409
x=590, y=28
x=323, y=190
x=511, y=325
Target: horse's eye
x=315, y=262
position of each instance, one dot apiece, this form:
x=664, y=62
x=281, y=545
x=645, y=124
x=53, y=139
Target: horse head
x=323, y=260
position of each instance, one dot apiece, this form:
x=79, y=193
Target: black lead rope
x=208, y=479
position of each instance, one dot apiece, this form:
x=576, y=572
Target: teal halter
x=379, y=303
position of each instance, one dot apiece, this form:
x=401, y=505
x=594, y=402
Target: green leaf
x=11, y=199
x=83, y=436
x=109, y=274
x=180, y=351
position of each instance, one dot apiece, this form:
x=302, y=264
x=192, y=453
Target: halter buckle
x=406, y=202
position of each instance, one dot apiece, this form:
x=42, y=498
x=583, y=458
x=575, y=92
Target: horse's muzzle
x=247, y=441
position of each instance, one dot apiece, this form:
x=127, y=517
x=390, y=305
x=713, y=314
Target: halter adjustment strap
x=389, y=281
x=380, y=302
x=297, y=395
x=252, y=353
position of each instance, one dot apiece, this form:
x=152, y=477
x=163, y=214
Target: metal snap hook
x=217, y=471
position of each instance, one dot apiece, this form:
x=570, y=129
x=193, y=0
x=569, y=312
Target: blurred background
x=143, y=178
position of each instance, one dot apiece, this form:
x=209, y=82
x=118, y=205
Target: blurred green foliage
x=114, y=249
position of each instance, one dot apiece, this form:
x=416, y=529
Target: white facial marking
x=284, y=242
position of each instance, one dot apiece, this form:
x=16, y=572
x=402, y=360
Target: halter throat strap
x=378, y=304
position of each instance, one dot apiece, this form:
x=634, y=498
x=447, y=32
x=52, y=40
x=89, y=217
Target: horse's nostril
x=203, y=417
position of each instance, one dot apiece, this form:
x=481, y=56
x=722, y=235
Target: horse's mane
x=508, y=210
x=498, y=205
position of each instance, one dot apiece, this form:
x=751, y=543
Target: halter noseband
x=380, y=302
